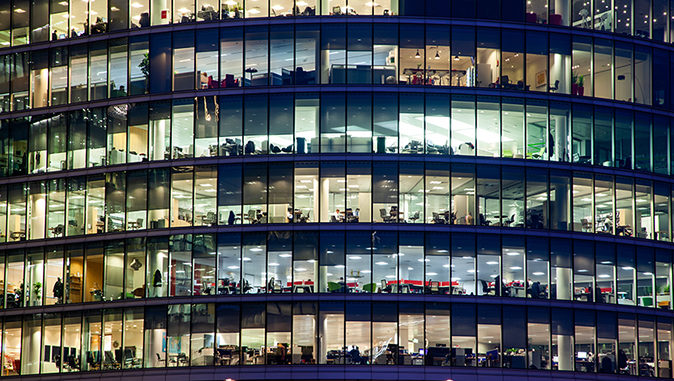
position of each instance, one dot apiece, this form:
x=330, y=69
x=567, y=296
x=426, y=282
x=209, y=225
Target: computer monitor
x=555, y=358
x=422, y=351
x=582, y=355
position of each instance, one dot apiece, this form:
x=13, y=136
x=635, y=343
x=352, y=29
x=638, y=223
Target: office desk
x=519, y=291
x=18, y=234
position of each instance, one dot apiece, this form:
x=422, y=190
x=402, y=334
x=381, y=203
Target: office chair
x=208, y=219
x=384, y=286
x=486, y=290
x=510, y=221
x=435, y=287
x=252, y=216
x=415, y=217
x=58, y=231
x=333, y=219
x=385, y=216
x=555, y=87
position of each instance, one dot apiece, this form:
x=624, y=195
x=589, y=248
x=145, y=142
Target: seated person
x=339, y=216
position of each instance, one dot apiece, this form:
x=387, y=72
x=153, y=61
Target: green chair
x=370, y=287
x=334, y=287
x=507, y=153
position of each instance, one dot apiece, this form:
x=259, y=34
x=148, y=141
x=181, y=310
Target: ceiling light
x=437, y=56
x=456, y=58
x=417, y=55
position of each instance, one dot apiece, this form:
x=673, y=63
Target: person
x=469, y=219
x=58, y=291
x=608, y=224
x=290, y=215
x=535, y=290
x=54, y=36
x=342, y=283
x=339, y=216
x=356, y=215
x=355, y=356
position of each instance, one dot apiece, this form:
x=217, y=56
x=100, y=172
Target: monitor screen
x=555, y=359
x=582, y=355
x=421, y=351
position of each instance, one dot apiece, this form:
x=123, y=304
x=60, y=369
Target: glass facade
x=437, y=125
x=362, y=332
x=327, y=191
x=335, y=190
x=310, y=54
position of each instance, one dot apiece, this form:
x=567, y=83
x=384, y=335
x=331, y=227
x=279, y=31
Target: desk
x=519, y=291
x=18, y=234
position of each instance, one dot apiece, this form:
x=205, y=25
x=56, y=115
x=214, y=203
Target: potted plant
x=574, y=83
x=144, y=67
x=581, y=87
x=37, y=292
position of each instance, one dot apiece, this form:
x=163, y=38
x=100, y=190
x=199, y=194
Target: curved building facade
x=309, y=190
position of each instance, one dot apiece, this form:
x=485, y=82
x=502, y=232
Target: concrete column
x=38, y=214
x=561, y=138
x=565, y=352
x=560, y=208
x=563, y=7
x=325, y=66
x=323, y=279
x=563, y=283
x=325, y=198
x=158, y=130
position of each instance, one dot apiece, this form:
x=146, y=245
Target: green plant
x=581, y=81
x=574, y=77
x=145, y=65
x=667, y=289
x=37, y=287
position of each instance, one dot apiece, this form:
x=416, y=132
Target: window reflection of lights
x=381, y=263
x=339, y=266
x=628, y=268
x=366, y=272
x=538, y=273
x=135, y=5
x=603, y=276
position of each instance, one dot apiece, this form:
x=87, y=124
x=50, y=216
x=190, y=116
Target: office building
x=336, y=189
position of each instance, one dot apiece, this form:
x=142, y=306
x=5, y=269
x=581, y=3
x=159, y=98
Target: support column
x=563, y=283
x=565, y=352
